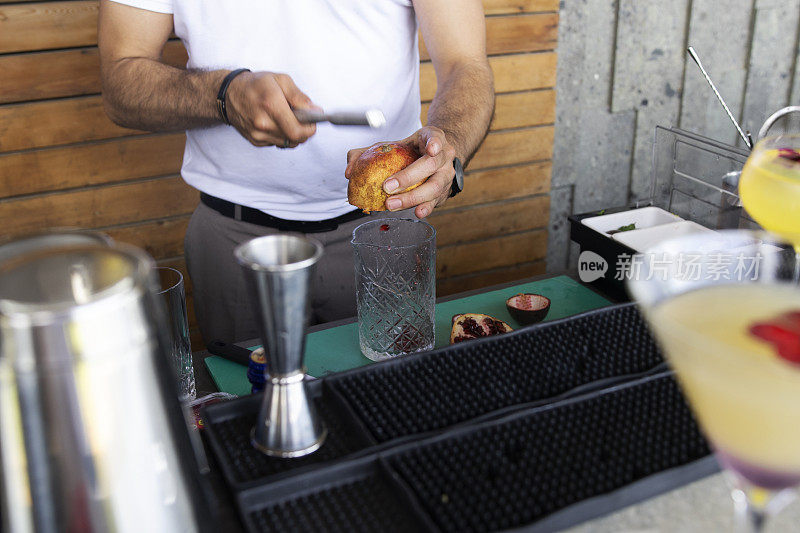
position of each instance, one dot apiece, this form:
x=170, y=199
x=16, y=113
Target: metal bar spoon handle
x=746, y=137
x=374, y=118
x=278, y=269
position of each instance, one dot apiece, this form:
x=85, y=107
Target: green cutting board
x=336, y=349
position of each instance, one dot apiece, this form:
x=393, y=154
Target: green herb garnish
x=629, y=227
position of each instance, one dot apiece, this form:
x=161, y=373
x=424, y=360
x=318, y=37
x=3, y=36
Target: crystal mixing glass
x=395, y=262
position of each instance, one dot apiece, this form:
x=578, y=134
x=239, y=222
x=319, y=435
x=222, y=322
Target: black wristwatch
x=458, y=179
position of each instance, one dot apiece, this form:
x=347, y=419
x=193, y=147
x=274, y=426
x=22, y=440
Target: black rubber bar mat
x=228, y=428
x=356, y=496
x=435, y=390
x=542, y=469
x=520, y=469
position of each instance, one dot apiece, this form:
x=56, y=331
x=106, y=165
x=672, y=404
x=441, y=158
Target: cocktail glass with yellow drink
x=726, y=311
x=770, y=186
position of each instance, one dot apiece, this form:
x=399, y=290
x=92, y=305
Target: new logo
x=591, y=267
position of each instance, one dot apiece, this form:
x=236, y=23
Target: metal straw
x=748, y=139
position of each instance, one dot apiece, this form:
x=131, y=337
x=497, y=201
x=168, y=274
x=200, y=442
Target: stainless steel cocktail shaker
x=92, y=434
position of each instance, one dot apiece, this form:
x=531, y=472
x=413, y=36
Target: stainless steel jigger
x=278, y=269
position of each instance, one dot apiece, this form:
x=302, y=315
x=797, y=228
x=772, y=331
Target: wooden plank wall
x=495, y=230
x=63, y=163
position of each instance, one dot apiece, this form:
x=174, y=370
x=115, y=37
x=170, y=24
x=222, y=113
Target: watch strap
x=458, y=180
x=454, y=189
x=222, y=94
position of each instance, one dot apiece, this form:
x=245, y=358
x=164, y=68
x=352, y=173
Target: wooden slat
x=49, y=75
x=490, y=7
x=487, y=221
x=494, y=253
x=72, y=120
x=150, y=156
x=516, y=146
x=501, y=184
x=47, y=25
x=502, y=7
x=518, y=33
x=160, y=239
x=51, y=123
x=519, y=110
x=515, y=110
x=484, y=279
x=43, y=75
x=69, y=24
x=91, y=164
x=517, y=72
x=98, y=207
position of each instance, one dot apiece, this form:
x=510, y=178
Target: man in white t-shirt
x=259, y=170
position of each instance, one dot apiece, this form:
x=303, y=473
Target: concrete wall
x=623, y=70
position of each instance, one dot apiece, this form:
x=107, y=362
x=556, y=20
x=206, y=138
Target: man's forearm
x=463, y=107
x=145, y=94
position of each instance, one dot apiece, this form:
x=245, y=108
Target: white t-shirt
x=344, y=54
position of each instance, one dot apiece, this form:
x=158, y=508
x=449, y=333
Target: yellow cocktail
x=725, y=308
x=745, y=395
x=770, y=186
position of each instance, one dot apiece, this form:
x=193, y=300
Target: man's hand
x=435, y=165
x=260, y=106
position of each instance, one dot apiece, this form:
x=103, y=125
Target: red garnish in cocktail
x=790, y=154
x=783, y=333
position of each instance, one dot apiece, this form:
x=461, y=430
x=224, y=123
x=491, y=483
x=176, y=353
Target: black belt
x=254, y=216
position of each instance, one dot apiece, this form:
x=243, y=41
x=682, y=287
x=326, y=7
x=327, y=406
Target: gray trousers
x=222, y=302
